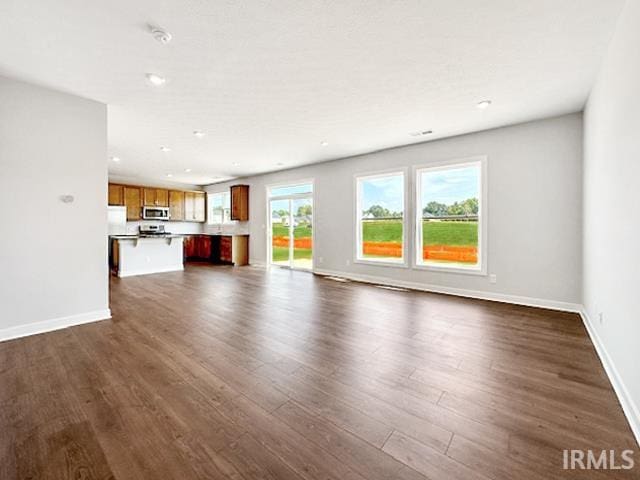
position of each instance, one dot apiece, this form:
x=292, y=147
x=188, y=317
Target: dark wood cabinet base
x=217, y=249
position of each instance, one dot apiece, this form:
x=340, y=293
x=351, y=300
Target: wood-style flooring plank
x=244, y=373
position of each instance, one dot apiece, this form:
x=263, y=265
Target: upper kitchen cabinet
x=194, y=206
x=176, y=205
x=156, y=197
x=133, y=202
x=240, y=203
x=116, y=195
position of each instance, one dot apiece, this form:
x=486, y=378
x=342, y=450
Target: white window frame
x=481, y=268
x=210, y=209
x=357, y=254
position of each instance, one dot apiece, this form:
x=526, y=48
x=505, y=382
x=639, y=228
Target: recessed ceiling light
x=187, y=170
x=155, y=79
x=169, y=175
x=115, y=159
x=199, y=133
x=421, y=133
x=165, y=149
x=324, y=143
x=235, y=164
x=161, y=35
x=483, y=104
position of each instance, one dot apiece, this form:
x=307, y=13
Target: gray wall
x=54, y=254
x=534, y=211
x=611, y=206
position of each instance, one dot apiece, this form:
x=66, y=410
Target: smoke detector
x=161, y=35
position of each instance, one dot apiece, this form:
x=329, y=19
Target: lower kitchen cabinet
x=220, y=249
x=197, y=247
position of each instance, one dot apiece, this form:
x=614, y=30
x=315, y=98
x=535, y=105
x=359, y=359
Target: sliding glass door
x=291, y=226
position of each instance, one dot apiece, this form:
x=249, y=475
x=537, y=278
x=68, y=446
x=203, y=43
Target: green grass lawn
x=281, y=254
x=298, y=232
x=434, y=233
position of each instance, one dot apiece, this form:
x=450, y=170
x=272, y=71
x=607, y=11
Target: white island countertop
x=146, y=254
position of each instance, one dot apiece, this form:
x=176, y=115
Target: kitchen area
x=155, y=229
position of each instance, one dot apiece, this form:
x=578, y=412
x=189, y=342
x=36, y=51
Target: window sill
x=381, y=263
x=460, y=270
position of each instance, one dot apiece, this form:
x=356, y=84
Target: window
x=219, y=208
x=380, y=218
x=449, y=216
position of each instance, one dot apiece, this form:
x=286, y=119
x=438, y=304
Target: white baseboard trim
x=142, y=271
x=460, y=292
x=629, y=407
x=53, y=324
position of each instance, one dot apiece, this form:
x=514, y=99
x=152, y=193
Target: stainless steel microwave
x=155, y=213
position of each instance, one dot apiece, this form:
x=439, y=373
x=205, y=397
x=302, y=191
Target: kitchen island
x=141, y=255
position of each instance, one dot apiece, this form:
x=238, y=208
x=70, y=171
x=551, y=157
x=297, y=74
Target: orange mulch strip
x=451, y=253
x=383, y=249
x=304, y=242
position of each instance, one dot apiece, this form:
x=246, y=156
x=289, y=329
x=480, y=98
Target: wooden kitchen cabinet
x=189, y=245
x=197, y=247
x=233, y=249
x=226, y=249
x=218, y=249
x=190, y=206
x=201, y=207
x=203, y=248
x=156, y=197
x=116, y=195
x=240, y=203
x=194, y=206
x=133, y=202
x=176, y=205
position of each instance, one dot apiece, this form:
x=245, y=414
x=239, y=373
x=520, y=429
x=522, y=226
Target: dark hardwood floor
x=218, y=372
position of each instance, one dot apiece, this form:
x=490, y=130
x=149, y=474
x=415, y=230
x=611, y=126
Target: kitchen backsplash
x=232, y=228
x=170, y=227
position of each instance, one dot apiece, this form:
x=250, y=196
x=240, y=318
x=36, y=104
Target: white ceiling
x=268, y=81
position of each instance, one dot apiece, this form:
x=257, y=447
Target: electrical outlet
x=601, y=317
x=320, y=259
x=493, y=278
x=348, y=262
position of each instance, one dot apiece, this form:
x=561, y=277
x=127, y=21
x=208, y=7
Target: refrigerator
x=117, y=218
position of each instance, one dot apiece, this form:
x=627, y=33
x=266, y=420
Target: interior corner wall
x=611, y=211
x=534, y=212
x=53, y=254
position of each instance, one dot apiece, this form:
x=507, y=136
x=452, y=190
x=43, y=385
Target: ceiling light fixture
x=161, y=35
x=187, y=170
x=235, y=164
x=199, y=133
x=324, y=143
x=169, y=175
x=156, y=80
x=483, y=104
x=115, y=159
x=165, y=149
